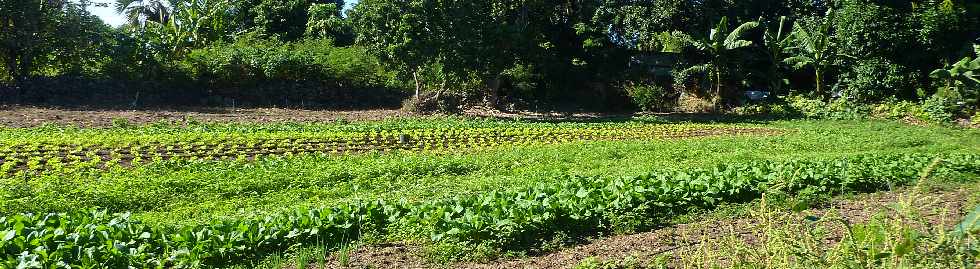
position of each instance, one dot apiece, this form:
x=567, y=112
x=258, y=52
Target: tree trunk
x=10, y=66
x=718, y=87
x=493, y=88
x=26, y=64
x=418, y=84
x=820, y=92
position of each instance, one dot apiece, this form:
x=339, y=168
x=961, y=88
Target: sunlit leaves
x=504, y=219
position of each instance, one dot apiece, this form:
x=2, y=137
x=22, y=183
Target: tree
x=326, y=22
x=179, y=25
x=287, y=18
x=944, y=28
x=23, y=27
x=139, y=11
x=719, y=47
x=812, y=46
x=60, y=37
x=400, y=33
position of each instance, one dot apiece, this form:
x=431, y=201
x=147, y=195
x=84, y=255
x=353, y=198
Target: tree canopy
x=530, y=52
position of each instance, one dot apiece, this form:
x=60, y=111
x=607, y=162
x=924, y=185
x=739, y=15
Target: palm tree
x=812, y=46
x=138, y=11
x=719, y=47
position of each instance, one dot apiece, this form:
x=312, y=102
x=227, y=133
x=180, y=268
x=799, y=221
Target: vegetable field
x=54, y=155
x=234, y=195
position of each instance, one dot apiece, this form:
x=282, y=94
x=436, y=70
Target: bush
x=523, y=80
x=648, y=96
x=975, y=119
x=876, y=80
x=263, y=71
x=769, y=109
x=838, y=109
x=896, y=110
x=939, y=108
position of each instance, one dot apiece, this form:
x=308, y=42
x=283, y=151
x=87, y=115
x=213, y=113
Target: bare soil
x=24, y=116
x=30, y=116
x=939, y=207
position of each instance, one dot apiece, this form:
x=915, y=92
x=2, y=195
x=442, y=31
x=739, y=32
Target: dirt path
x=938, y=208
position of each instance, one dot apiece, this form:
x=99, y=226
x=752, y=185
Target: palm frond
x=720, y=29
x=740, y=31
x=799, y=61
x=738, y=44
x=701, y=68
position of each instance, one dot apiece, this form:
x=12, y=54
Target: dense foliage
x=507, y=219
x=503, y=52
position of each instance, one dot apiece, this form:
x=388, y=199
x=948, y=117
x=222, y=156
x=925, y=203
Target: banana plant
x=963, y=78
x=719, y=46
x=776, y=46
x=812, y=46
x=194, y=23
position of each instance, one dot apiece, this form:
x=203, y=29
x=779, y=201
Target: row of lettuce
x=123, y=132
x=20, y=160
x=27, y=142
x=508, y=220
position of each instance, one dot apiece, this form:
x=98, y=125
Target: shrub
x=648, y=96
x=311, y=72
x=523, y=80
x=877, y=79
x=898, y=110
x=837, y=109
x=429, y=102
x=939, y=108
x=770, y=109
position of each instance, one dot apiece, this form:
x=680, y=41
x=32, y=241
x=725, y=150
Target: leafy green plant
x=876, y=79
x=720, y=46
x=961, y=79
x=648, y=97
x=777, y=44
x=812, y=46
x=836, y=109
x=504, y=219
x=939, y=108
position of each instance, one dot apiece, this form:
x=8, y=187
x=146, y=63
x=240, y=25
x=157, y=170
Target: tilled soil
x=29, y=116
x=939, y=208
x=22, y=116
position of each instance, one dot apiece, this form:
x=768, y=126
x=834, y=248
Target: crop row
x=503, y=219
x=41, y=138
x=39, y=157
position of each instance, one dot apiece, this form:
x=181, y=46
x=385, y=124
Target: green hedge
x=509, y=220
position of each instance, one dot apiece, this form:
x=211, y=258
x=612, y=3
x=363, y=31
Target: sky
x=105, y=10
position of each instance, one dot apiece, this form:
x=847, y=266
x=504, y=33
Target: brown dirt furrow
x=27, y=116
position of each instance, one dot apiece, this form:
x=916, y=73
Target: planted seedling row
x=48, y=157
